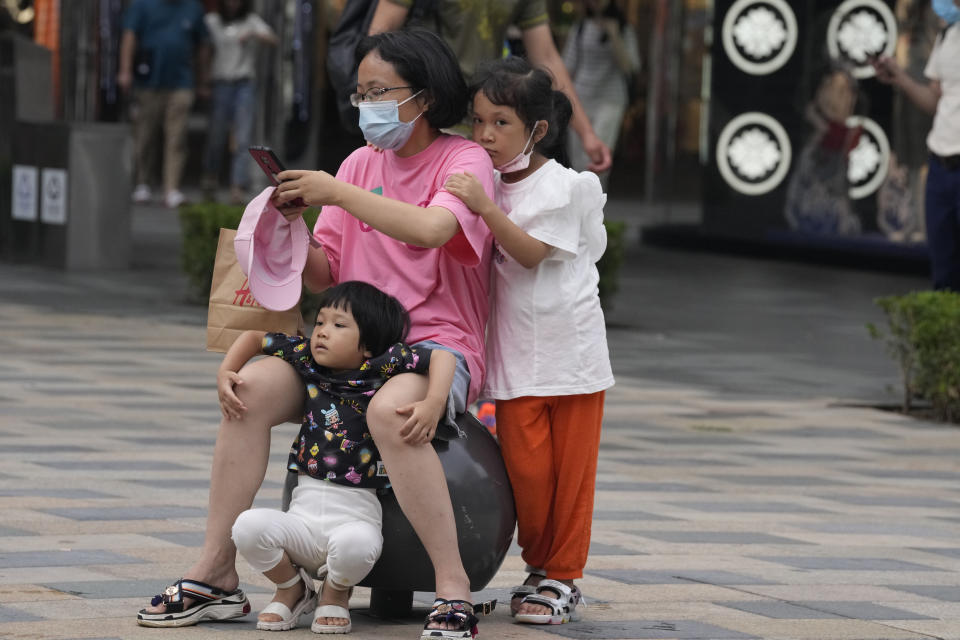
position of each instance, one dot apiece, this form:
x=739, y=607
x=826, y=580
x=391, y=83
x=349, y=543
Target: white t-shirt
x=546, y=334
x=234, y=59
x=944, y=66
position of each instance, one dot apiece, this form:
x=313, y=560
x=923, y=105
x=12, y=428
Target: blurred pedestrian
x=818, y=197
x=161, y=40
x=900, y=197
x=939, y=96
x=236, y=32
x=476, y=31
x=602, y=57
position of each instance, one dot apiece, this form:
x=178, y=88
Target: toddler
x=332, y=528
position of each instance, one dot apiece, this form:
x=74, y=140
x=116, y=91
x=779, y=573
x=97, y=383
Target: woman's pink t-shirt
x=443, y=289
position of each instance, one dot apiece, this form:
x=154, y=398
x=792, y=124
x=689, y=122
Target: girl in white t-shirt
x=546, y=352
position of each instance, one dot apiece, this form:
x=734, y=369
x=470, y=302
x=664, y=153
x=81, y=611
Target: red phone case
x=271, y=166
x=268, y=162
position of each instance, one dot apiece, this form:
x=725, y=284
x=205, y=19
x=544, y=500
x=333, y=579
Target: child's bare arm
x=425, y=414
x=518, y=244
x=241, y=351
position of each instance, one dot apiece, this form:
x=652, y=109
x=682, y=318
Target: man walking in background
x=161, y=40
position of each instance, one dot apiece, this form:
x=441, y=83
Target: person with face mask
x=940, y=97
x=477, y=30
x=386, y=221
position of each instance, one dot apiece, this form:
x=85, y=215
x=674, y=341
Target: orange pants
x=550, y=447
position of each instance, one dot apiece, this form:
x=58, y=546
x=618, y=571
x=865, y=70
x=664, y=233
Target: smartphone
x=271, y=165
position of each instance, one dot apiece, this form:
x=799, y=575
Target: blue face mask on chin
x=381, y=125
x=947, y=10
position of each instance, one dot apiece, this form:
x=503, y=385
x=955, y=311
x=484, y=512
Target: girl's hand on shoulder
x=315, y=187
x=231, y=406
x=468, y=188
x=422, y=422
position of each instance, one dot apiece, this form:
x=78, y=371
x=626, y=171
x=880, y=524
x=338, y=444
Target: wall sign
x=860, y=30
x=759, y=36
x=53, y=196
x=869, y=160
x=753, y=153
x=24, y=196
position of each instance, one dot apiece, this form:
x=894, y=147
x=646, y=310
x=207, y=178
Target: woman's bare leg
x=419, y=483
x=273, y=394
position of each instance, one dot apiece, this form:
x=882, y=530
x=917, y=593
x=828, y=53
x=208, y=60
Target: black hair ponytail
x=554, y=144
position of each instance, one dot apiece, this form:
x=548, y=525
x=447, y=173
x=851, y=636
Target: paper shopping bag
x=233, y=309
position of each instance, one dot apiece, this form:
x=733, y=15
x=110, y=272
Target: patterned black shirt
x=334, y=443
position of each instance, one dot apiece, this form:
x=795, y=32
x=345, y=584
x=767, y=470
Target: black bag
x=143, y=64
x=341, y=51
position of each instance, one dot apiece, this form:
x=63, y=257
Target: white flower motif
x=760, y=32
x=753, y=153
x=862, y=36
x=864, y=160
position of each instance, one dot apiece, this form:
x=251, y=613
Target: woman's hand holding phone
x=313, y=187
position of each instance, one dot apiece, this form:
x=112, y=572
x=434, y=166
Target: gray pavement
x=746, y=487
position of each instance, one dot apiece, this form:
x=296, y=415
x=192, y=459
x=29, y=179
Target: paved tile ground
x=742, y=493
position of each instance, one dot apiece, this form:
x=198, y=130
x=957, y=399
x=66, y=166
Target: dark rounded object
x=482, y=505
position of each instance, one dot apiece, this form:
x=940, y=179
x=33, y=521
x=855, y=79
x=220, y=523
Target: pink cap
x=272, y=252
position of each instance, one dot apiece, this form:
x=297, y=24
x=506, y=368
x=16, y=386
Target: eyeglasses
x=371, y=95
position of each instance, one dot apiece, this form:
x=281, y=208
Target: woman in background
x=602, y=57
x=236, y=33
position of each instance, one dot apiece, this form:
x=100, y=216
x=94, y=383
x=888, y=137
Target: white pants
x=327, y=524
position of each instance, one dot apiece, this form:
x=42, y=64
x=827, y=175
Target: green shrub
x=924, y=338
x=200, y=231
x=611, y=261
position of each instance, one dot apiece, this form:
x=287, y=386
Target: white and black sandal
x=459, y=613
x=521, y=591
x=210, y=603
x=290, y=618
x=563, y=608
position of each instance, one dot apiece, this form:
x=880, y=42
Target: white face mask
x=381, y=124
x=522, y=160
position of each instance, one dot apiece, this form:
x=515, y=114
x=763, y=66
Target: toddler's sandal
x=290, y=618
x=331, y=611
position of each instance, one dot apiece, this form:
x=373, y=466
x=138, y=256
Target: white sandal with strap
x=290, y=618
x=563, y=609
x=330, y=611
